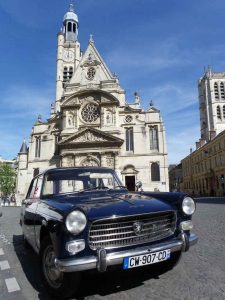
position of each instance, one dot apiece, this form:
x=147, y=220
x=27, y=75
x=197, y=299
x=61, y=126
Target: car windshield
x=79, y=180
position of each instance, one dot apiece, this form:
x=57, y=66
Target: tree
x=7, y=179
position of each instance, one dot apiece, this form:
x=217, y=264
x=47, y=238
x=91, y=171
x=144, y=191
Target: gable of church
x=92, y=70
x=88, y=137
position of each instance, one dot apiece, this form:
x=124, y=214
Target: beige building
x=204, y=169
x=92, y=123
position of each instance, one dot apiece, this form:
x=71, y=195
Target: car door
x=29, y=210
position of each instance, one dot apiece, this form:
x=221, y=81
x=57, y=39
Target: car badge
x=138, y=226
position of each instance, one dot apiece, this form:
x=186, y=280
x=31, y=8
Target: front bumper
x=102, y=260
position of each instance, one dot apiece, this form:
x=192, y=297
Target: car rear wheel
x=61, y=285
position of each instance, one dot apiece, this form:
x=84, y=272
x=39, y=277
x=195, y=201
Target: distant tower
x=68, y=54
x=211, y=89
x=22, y=172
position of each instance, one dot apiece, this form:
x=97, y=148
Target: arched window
x=222, y=90
x=74, y=27
x=155, y=172
x=154, y=140
x=69, y=27
x=65, y=74
x=218, y=112
x=70, y=72
x=129, y=139
x=38, y=146
x=216, y=90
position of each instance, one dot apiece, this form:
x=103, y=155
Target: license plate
x=145, y=259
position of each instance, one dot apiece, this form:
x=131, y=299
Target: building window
x=91, y=73
x=74, y=27
x=128, y=119
x=155, y=172
x=129, y=139
x=216, y=90
x=222, y=90
x=70, y=72
x=69, y=27
x=38, y=146
x=154, y=140
x=218, y=112
x=67, y=73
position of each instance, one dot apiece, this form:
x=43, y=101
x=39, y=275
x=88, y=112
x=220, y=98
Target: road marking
x=4, y=265
x=1, y=251
x=12, y=285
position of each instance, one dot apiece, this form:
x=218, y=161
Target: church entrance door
x=130, y=183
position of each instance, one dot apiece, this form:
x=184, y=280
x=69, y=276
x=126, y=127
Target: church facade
x=92, y=124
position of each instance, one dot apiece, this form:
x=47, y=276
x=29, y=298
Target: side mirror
x=138, y=185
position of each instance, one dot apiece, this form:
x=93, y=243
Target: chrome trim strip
x=91, y=262
x=169, y=215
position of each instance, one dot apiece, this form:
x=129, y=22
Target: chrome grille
x=119, y=232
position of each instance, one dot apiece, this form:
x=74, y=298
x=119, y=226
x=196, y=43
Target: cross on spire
x=71, y=6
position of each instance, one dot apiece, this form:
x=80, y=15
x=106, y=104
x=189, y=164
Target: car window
x=76, y=180
x=35, y=190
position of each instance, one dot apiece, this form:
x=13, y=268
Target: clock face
x=68, y=56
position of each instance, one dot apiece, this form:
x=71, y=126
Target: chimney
x=201, y=142
x=212, y=134
x=197, y=145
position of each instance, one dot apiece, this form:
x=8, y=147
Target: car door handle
x=27, y=202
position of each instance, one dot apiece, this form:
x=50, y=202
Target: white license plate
x=145, y=259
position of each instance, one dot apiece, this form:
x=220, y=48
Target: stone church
x=92, y=124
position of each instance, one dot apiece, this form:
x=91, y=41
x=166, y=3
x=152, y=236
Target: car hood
x=103, y=205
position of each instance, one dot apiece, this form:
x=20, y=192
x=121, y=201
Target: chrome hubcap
x=52, y=274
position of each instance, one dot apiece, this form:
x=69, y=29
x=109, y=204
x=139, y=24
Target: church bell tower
x=68, y=52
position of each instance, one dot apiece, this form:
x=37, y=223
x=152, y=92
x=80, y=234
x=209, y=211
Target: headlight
x=76, y=222
x=188, y=206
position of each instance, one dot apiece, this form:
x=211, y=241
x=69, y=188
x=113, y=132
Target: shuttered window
x=129, y=139
x=154, y=140
x=155, y=172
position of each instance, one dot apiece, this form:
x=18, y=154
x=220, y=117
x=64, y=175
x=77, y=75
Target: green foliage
x=7, y=179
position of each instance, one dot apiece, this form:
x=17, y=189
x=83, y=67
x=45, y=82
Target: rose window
x=91, y=73
x=90, y=113
x=128, y=119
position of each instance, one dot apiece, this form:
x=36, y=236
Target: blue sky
x=156, y=47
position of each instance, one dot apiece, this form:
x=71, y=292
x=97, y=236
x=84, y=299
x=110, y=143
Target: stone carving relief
x=89, y=137
x=89, y=162
x=110, y=161
x=67, y=161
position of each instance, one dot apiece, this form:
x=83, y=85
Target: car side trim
x=93, y=262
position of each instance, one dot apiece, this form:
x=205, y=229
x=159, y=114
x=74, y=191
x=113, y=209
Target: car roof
x=63, y=169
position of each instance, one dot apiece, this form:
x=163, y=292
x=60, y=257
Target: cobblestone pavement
x=199, y=275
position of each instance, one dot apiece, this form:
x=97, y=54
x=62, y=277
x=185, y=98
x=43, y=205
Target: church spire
x=70, y=24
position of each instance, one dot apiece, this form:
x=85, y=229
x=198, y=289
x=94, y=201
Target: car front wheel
x=61, y=285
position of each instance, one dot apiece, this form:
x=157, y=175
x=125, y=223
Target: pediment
x=101, y=97
x=92, y=70
x=90, y=136
x=153, y=109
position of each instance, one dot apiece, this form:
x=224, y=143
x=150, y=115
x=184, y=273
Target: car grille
x=120, y=232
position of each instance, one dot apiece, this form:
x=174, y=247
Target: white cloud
x=25, y=101
x=153, y=57
x=180, y=142
x=20, y=106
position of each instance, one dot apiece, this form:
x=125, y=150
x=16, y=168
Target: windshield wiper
x=99, y=187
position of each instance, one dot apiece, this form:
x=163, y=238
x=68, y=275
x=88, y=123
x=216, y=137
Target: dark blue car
x=83, y=218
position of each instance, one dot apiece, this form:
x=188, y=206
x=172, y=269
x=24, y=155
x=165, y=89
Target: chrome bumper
x=102, y=260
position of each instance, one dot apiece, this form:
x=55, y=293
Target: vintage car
x=83, y=218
